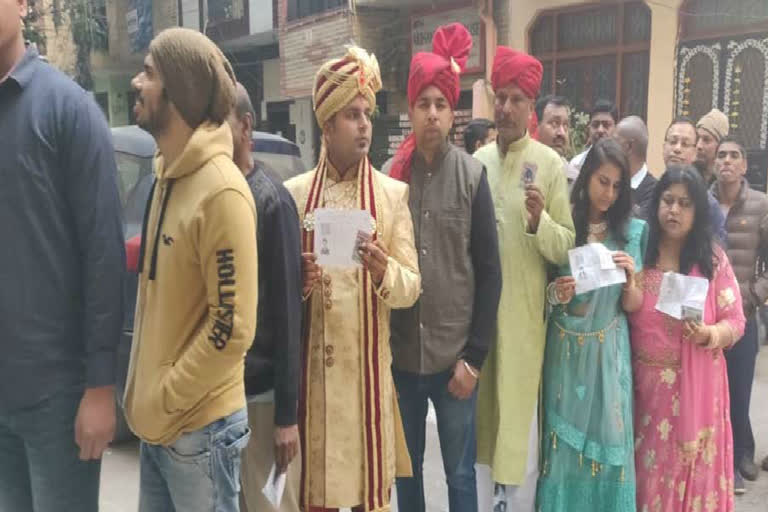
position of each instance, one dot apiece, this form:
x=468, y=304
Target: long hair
x=605, y=151
x=697, y=249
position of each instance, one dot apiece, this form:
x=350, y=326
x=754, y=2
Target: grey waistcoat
x=429, y=337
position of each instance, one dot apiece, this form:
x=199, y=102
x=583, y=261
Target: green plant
x=579, y=133
x=89, y=32
x=87, y=26
x=32, y=32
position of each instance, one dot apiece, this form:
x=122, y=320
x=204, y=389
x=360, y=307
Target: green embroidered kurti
x=587, y=449
x=509, y=383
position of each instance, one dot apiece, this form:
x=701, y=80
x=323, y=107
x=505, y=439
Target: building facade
x=653, y=58
x=656, y=59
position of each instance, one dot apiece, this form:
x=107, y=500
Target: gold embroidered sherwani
x=335, y=437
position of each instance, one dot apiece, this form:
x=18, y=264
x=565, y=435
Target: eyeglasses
x=684, y=143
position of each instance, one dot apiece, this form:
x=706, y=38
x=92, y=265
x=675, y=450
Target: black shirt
x=62, y=258
x=642, y=195
x=273, y=360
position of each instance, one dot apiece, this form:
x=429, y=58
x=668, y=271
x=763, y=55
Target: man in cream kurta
x=535, y=229
x=352, y=437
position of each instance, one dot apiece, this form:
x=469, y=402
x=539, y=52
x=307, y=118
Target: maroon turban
x=511, y=67
x=451, y=45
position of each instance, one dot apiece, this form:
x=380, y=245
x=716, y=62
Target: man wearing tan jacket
x=198, y=284
x=352, y=437
x=746, y=213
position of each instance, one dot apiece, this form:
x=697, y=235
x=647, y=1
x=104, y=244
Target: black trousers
x=741, y=372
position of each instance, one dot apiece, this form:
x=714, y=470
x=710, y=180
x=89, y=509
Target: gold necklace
x=598, y=228
x=596, y=232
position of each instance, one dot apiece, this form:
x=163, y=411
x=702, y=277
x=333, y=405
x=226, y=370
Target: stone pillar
x=661, y=77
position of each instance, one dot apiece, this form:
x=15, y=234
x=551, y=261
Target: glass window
x=130, y=169
x=596, y=52
x=298, y=9
x=225, y=10
x=587, y=29
x=703, y=17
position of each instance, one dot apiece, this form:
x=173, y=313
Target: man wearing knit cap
x=352, y=441
x=439, y=344
x=198, y=284
x=535, y=230
x=711, y=129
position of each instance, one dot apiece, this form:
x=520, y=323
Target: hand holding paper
x=375, y=259
x=682, y=297
x=339, y=234
x=698, y=333
x=593, y=267
x=275, y=487
x=625, y=262
x=534, y=205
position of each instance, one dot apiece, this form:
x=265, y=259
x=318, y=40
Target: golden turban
x=340, y=81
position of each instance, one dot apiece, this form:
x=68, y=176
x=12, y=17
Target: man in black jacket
x=61, y=269
x=632, y=134
x=272, y=363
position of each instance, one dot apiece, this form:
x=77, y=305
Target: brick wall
x=387, y=33
x=305, y=44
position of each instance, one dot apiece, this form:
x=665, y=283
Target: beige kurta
x=335, y=439
x=509, y=382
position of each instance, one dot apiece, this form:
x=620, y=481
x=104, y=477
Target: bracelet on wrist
x=471, y=370
x=552, y=294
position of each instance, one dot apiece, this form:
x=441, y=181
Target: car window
x=286, y=166
x=130, y=169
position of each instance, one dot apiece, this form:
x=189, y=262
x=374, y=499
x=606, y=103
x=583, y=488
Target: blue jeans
x=40, y=469
x=200, y=472
x=456, y=429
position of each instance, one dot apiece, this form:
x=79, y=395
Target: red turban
x=451, y=45
x=450, y=50
x=511, y=67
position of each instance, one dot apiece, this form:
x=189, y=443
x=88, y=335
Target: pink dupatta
x=697, y=387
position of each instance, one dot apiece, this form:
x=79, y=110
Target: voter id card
x=528, y=175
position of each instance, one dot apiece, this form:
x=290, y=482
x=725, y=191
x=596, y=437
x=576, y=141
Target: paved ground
x=120, y=473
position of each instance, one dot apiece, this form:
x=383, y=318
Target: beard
x=158, y=119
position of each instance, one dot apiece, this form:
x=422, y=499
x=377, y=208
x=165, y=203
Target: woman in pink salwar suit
x=683, y=442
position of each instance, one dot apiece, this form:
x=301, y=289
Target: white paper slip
x=275, y=487
x=592, y=267
x=682, y=296
x=606, y=258
x=338, y=235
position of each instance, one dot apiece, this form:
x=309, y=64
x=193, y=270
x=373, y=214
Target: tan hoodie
x=197, y=294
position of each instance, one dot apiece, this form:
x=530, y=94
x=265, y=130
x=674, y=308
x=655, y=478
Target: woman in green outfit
x=587, y=444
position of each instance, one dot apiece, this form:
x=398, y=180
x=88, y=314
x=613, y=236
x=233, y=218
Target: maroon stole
x=375, y=494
